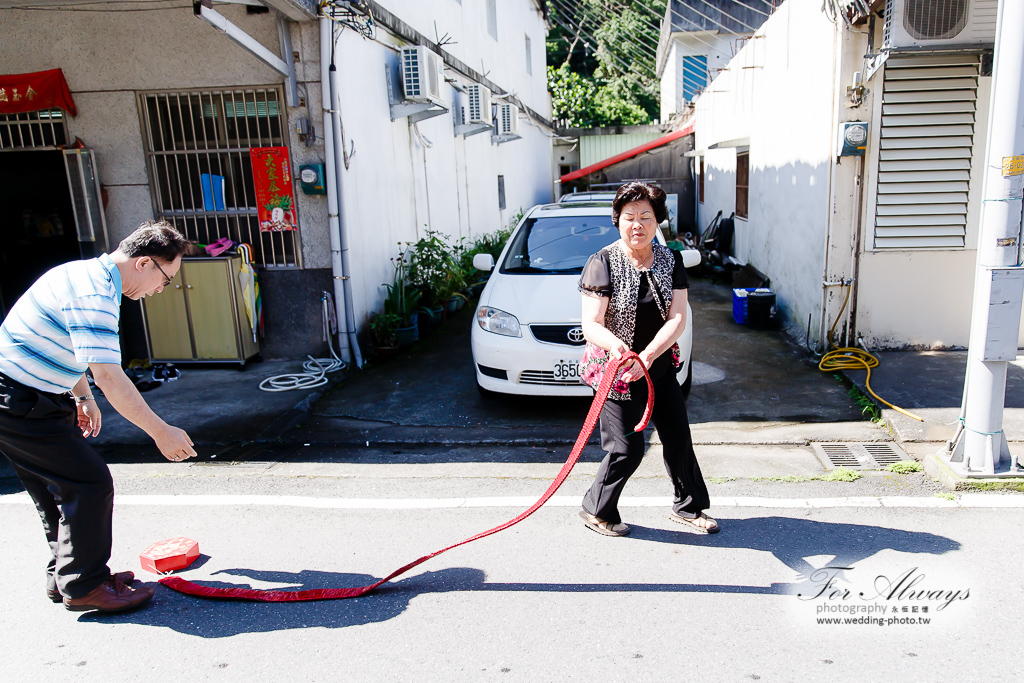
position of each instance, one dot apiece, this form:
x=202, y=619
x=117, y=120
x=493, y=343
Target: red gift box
x=166, y=556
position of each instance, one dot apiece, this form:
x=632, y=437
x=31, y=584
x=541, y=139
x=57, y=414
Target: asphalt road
x=547, y=600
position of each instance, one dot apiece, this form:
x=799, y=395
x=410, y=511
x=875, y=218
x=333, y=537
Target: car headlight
x=497, y=321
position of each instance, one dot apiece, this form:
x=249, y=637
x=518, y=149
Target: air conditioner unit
x=939, y=23
x=479, y=104
x=422, y=75
x=508, y=120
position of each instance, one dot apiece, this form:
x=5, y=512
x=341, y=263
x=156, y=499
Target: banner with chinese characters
x=22, y=93
x=274, y=197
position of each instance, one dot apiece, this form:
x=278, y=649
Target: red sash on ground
x=612, y=370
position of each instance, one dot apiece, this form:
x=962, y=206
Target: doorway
x=37, y=221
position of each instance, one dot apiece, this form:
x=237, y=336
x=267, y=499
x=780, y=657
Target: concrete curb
x=935, y=466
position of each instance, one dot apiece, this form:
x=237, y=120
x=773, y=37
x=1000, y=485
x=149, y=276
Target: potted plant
x=402, y=301
x=430, y=262
x=382, y=329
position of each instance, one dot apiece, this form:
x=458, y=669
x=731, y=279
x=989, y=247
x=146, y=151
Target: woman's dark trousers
x=625, y=450
x=68, y=481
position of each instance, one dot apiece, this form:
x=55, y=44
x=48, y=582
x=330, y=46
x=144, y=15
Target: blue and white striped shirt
x=65, y=321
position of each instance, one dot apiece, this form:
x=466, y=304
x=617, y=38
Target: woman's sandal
x=602, y=527
x=701, y=525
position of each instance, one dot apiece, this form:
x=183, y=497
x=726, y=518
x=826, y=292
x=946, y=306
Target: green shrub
x=905, y=467
x=841, y=474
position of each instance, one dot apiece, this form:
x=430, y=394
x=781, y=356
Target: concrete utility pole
x=980, y=447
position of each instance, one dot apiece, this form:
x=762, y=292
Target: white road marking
x=967, y=500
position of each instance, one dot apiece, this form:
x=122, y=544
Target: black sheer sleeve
x=679, y=280
x=596, y=277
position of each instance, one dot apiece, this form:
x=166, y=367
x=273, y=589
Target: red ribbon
x=189, y=588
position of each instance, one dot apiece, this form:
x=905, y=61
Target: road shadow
x=791, y=540
x=206, y=618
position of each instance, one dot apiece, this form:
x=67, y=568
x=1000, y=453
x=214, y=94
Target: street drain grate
x=858, y=456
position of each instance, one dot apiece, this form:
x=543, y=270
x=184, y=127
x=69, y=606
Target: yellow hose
x=851, y=358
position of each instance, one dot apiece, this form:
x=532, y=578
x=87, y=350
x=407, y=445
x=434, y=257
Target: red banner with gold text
x=21, y=93
x=275, y=199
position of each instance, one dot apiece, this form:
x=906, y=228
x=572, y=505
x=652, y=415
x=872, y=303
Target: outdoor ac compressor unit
x=508, y=120
x=479, y=104
x=939, y=23
x=422, y=75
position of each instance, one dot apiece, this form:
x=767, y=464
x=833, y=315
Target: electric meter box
x=311, y=177
x=853, y=139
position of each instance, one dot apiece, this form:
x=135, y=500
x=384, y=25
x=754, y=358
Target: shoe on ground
x=602, y=527
x=110, y=596
x=127, y=578
x=700, y=525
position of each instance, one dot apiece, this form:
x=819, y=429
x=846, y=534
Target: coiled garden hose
x=852, y=358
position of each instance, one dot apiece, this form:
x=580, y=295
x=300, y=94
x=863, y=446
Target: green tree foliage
x=602, y=57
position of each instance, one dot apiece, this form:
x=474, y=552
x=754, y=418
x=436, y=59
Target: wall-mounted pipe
x=333, y=192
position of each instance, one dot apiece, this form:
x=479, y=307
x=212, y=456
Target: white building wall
x=778, y=103
x=719, y=49
x=407, y=178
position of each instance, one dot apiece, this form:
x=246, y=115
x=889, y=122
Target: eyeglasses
x=167, y=280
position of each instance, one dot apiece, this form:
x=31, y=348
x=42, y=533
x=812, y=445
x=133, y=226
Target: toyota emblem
x=575, y=335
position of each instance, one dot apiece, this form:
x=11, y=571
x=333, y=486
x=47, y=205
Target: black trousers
x=68, y=481
x=625, y=450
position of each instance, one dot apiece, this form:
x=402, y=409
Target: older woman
x=634, y=298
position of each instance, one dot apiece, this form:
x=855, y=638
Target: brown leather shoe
x=110, y=596
x=127, y=578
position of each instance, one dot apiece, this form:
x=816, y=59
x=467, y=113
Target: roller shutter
x=924, y=161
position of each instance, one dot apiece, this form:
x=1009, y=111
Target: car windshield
x=558, y=245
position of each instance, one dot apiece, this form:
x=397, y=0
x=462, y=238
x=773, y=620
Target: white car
x=526, y=336
x=587, y=197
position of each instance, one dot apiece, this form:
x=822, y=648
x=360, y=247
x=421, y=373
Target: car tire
x=688, y=382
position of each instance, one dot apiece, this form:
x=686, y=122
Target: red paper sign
x=275, y=199
x=21, y=93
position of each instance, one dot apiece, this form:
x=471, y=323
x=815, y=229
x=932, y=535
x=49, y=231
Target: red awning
x=20, y=93
x=658, y=142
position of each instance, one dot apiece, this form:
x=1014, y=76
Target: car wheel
x=688, y=382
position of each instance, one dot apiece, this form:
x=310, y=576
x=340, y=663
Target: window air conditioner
x=508, y=119
x=939, y=23
x=422, y=75
x=479, y=104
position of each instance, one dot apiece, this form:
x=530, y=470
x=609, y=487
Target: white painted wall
x=775, y=100
x=719, y=49
x=783, y=95
x=400, y=182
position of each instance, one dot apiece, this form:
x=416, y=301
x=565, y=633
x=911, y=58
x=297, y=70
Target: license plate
x=567, y=370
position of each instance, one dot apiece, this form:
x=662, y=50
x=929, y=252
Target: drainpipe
x=858, y=213
x=347, y=343
x=830, y=201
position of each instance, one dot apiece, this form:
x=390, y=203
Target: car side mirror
x=485, y=262
x=691, y=258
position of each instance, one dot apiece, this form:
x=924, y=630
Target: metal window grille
x=46, y=128
x=195, y=132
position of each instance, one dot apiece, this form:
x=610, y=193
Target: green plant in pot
x=403, y=301
x=382, y=328
x=430, y=259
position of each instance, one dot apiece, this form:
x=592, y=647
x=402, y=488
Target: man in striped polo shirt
x=65, y=324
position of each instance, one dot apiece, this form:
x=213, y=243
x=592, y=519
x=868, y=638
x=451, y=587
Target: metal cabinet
x=200, y=316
